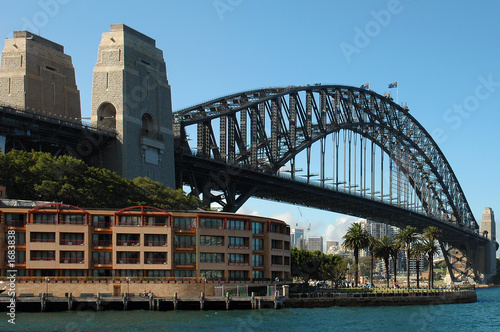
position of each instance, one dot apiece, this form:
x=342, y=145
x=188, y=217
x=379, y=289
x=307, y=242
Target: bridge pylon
x=131, y=94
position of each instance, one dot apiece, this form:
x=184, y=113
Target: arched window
x=485, y=234
x=106, y=116
x=147, y=123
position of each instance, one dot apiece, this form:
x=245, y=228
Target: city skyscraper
x=315, y=243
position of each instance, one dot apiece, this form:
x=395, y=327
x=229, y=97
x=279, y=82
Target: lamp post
x=128, y=286
x=47, y=285
x=204, y=284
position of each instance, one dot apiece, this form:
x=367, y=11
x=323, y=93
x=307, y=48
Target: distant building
x=296, y=234
x=332, y=244
x=315, y=243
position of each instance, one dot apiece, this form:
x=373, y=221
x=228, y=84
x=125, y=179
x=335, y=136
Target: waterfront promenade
x=342, y=298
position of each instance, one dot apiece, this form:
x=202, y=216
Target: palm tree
x=431, y=235
x=417, y=251
x=383, y=249
x=407, y=237
x=356, y=238
x=372, y=242
x=396, y=247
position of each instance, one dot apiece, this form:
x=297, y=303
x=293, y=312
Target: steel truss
x=380, y=151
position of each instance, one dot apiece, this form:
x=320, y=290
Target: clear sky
x=445, y=56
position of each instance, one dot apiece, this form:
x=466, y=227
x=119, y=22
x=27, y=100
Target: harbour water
x=482, y=315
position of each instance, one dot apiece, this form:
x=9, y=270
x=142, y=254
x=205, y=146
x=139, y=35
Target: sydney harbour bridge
x=332, y=147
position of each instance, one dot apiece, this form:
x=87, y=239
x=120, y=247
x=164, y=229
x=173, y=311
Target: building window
x=155, y=258
x=257, y=244
x=20, y=238
x=208, y=257
x=129, y=221
x=211, y=223
x=155, y=240
x=184, y=241
x=156, y=221
x=211, y=274
x=276, y=260
x=73, y=219
x=40, y=255
x=129, y=273
x=102, y=240
x=236, y=224
x=237, y=275
x=184, y=273
x=127, y=239
x=71, y=239
x=184, y=258
x=101, y=221
x=15, y=219
x=75, y=273
x=237, y=259
x=257, y=228
x=72, y=257
x=184, y=224
x=44, y=218
x=207, y=240
x=257, y=275
x=20, y=257
x=276, y=244
x=158, y=273
x=257, y=260
x=102, y=257
x=127, y=257
x=42, y=237
x=237, y=242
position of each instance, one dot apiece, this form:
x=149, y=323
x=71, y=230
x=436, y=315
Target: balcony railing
x=128, y=260
x=65, y=242
x=42, y=240
x=128, y=243
x=102, y=261
x=155, y=243
x=44, y=258
x=44, y=222
x=103, y=243
x=238, y=263
x=72, y=260
x=16, y=223
x=103, y=225
x=72, y=222
x=156, y=261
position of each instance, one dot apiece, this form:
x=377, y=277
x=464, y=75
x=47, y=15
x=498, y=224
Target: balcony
x=72, y=260
x=15, y=223
x=156, y=261
x=42, y=240
x=155, y=243
x=128, y=261
x=72, y=222
x=77, y=242
x=44, y=222
x=103, y=243
x=133, y=243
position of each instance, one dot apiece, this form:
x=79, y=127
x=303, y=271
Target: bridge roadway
x=248, y=182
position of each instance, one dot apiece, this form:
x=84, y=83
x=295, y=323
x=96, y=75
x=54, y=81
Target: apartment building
x=56, y=239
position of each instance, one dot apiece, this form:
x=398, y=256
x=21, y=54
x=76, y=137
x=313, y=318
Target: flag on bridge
x=393, y=85
x=365, y=86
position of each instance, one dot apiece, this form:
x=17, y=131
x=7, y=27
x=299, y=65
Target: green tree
x=407, y=237
x=431, y=235
x=396, y=247
x=383, y=249
x=356, y=238
x=41, y=176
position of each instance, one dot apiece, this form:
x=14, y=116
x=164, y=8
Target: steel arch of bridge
x=303, y=115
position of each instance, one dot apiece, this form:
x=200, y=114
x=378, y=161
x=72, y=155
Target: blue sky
x=445, y=56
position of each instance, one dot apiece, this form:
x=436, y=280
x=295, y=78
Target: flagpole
x=397, y=93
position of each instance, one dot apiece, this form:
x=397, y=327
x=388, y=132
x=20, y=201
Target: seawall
x=383, y=299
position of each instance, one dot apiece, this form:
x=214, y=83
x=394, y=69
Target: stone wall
x=160, y=289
